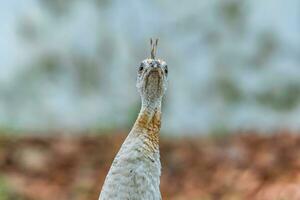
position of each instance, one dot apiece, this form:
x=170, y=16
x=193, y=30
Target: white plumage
x=133, y=175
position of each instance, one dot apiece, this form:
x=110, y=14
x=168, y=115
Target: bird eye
x=141, y=68
x=166, y=69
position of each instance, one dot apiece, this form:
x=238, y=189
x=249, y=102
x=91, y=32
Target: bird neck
x=148, y=123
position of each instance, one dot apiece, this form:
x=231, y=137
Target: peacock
x=135, y=171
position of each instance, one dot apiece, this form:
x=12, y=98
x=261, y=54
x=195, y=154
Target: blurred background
x=68, y=97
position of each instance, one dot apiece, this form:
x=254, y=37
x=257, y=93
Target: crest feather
x=153, y=48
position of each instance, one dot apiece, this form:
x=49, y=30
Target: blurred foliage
x=62, y=7
x=233, y=13
x=132, y=114
x=87, y=74
x=6, y=193
x=58, y=7
x=27, y=30
x=284, y=98
x=228, y=89
x=83, y=52
x=267, y=46
x=220, y=131
x=47, y=67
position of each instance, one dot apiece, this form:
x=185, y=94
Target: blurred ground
x=242, y=166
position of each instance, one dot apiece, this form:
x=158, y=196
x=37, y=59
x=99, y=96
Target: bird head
x=152, y=77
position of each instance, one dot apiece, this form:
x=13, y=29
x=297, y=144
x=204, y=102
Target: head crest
x=153, y=47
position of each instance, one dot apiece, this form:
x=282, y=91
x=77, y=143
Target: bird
x=135, y=171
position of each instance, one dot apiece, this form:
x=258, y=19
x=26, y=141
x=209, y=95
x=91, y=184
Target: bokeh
x=231, y=115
